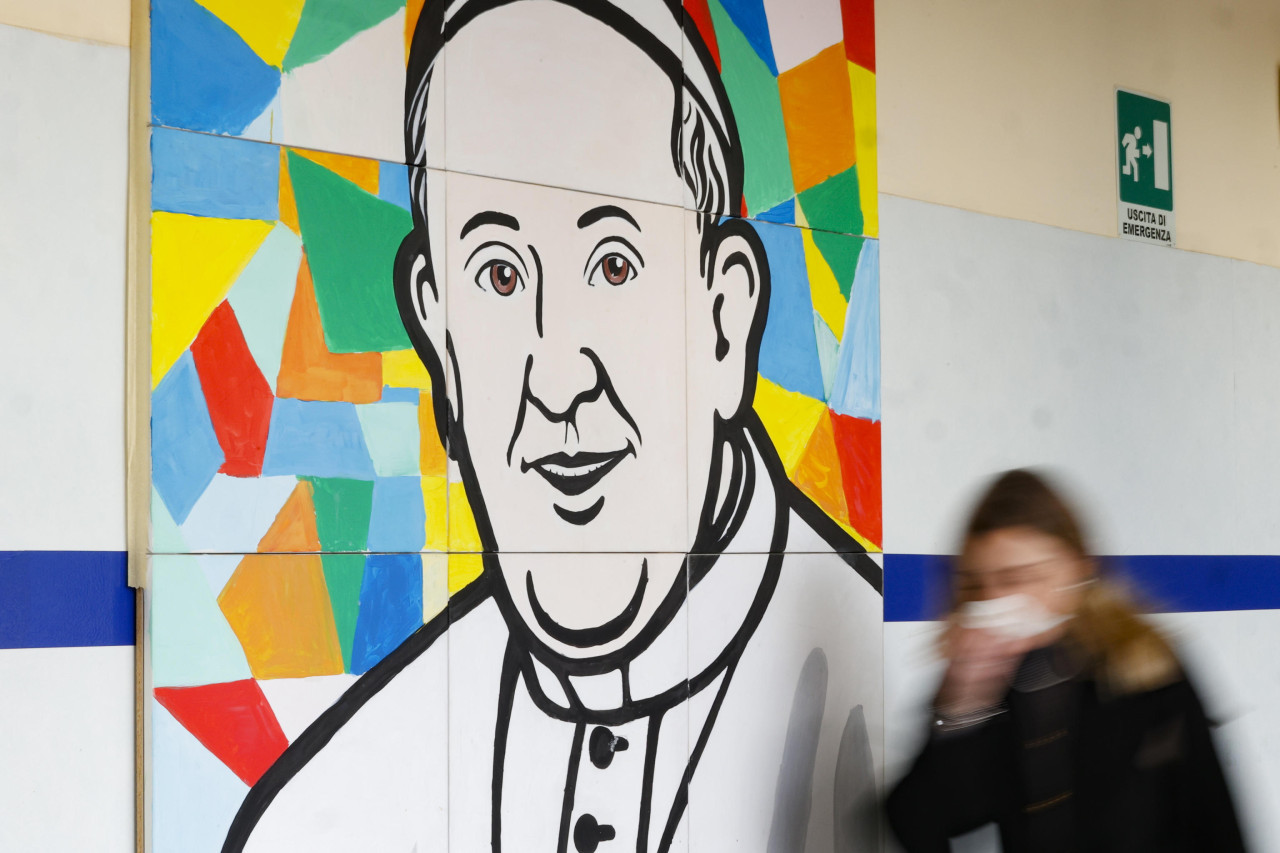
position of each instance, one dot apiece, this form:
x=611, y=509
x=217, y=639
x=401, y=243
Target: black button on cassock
x=588, y=833
x=603, y=745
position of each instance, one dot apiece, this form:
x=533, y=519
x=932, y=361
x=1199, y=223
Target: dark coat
x=1141, y=774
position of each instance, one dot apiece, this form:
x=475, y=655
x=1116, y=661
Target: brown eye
x=617, y=269
x=503, y=278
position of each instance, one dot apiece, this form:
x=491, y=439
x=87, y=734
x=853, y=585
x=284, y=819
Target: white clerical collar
x=722, y=602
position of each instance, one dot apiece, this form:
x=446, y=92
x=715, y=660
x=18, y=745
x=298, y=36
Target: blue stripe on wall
x=914, y=584
x=65, y=598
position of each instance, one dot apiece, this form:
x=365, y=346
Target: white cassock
x=752, y=721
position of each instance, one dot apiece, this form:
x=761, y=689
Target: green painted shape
x=351, y=238
x=841, y=252
x=166, y=538
x=828, y=353
x=326, y=24
x=834, y=205
x=191, y=642
x=343, y=508
x=757, y=106
x=263, y=295
x=343, y=575
x=391, y=434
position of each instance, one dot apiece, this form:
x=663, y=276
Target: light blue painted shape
x=165, y=536
x=263, y=295
x=234, y=513
x=399, y=395
x=266, y=126
x=205, y=175
x=316, y=439
x=390, y=607
x=191, y=642
x=218, y=569
x=788, y=351
x=391, y=433
x=828, y=352
x=185, y=453
x=783, y=214
x=857, y=384
x=393, y=183
x=750, y=17
x=203, y=75
x=195, y=796
x=398, y=521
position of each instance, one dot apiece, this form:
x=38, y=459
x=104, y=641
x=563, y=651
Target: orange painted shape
x=278, y=606
x=308, y=371
x=412, y=11
x=817, y=109
x=359, y=171
x=288, y=204
x=818, y=474
x=295, y=526
x=432, y=456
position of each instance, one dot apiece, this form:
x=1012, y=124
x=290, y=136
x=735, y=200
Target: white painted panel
x=67, y=753
x=1009, y=344
x=62, y=239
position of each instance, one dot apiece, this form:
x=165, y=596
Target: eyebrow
x=489, y=217
x=604, y=211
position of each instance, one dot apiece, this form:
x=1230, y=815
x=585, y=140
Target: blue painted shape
x=398, y=521
x=316, y=439
x=828, y=352
x=205, y=175
x=166, y=538
x=916, y=585
x=399, y=395
x=234, y=513
x=195, y=796
x=393, y=183
x=191, y=641
x=57, y=599
x=783, y=214
x=856, y=389
x=203, y=75
x=185, y=453
x=788, y=350
x=751, y=20
x=390, y=607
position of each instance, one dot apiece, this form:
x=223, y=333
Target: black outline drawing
x=712, y=149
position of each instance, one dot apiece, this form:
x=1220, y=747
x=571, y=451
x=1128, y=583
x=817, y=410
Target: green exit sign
x=1144, y=154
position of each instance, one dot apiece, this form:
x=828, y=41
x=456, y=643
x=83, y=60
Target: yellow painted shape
x=288, y=204
x=278, y=606
x=789, y=419
x=403, y=369
x=431, y=452
x=435, y=502
x=463, y=535
x=863, y=85
x=828, y=301
x=358, y=170
x=267, y=26
x=194, y=262
x=435, y=585
x=463, y=569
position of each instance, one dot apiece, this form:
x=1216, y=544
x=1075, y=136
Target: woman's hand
x=982, y=664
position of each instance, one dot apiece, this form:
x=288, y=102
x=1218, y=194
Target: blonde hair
x=1123, y=651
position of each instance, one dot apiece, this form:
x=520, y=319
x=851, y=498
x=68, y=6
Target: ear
x=737, y=276
x=420, y=298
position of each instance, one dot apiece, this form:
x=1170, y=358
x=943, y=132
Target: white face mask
x=1016, y=616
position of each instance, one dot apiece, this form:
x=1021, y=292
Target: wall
x=1018, y=330
x=66, y=614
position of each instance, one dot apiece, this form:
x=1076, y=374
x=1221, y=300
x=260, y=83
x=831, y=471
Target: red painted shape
x=232, y=720
x=858, y=446
x=238, y=396
x=744, y=208
x=701, y=16
x=860, y=32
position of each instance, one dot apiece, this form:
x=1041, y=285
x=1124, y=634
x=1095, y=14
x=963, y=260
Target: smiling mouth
x=576, y=473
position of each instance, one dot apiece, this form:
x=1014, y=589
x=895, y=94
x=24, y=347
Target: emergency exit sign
x=1145, y=168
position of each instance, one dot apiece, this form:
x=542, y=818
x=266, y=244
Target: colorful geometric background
x=303, y=521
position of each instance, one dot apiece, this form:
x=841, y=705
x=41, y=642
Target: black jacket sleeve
x=1204, y=796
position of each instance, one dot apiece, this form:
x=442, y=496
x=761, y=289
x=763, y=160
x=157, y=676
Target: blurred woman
x=1063, y=717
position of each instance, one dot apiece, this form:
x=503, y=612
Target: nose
x=560, y=378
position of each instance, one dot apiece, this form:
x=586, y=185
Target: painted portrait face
x=566, y=313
